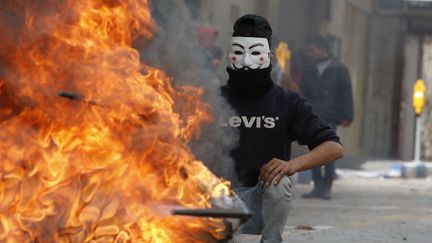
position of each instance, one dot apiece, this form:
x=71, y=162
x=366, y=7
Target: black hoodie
x=268, y=124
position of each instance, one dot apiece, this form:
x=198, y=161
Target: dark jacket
x=268, y=125
x=330, y=94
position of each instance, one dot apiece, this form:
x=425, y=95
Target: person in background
x=327, y=85
x=206, y=36
x=297, y=65
x=268, y=120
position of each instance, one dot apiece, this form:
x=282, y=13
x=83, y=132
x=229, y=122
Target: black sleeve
x=305, y=83
x=307, y=127
x=345, y=94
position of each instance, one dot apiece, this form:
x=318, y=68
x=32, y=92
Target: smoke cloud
x=175, y=49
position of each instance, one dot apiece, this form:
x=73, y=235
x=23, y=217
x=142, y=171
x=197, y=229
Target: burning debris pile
x=94, y=142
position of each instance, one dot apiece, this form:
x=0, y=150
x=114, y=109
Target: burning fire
x=283, y=56
x=108, y=162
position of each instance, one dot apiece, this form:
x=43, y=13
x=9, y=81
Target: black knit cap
x=252, y=25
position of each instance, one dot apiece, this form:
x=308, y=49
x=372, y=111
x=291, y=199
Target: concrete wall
x=381, y=119
x=294, y=22
x=354, y=54
x=426, y=141
x=407, y=116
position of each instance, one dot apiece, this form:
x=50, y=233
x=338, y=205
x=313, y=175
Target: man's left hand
x=275, y=169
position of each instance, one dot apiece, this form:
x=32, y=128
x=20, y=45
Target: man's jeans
x=270, y=206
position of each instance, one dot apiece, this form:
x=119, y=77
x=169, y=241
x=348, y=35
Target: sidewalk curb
x=414, y=169
x=399, y=169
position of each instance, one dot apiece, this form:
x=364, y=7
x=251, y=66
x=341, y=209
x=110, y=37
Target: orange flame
x=283, y=56
x=108, y=166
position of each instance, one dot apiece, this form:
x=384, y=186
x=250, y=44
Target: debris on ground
x=304, y=227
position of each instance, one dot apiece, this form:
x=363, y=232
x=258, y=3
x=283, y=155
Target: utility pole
x=419, y=97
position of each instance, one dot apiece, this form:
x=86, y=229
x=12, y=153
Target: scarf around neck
x=250, y=84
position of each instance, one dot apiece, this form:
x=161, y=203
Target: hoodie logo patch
x=250, y=122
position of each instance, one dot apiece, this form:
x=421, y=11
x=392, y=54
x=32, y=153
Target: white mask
x=249, y=53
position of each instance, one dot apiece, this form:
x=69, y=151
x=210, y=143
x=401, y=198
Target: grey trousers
x=270, y=206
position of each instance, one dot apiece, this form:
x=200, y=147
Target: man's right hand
x=275, y=169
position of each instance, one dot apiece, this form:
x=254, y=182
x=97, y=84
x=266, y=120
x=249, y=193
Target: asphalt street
x=362, y=210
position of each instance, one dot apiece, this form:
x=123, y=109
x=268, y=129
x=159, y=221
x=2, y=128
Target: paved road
x=362, y=211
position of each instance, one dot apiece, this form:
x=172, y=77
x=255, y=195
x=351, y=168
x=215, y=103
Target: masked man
x=269, y=119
